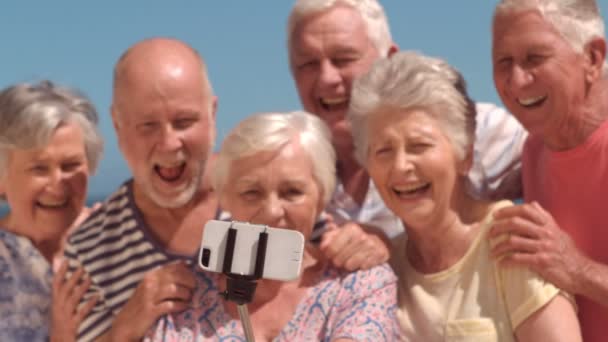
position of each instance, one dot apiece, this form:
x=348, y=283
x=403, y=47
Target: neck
x=443, y=242
x=580, y=122
x=48, y=246
x=178, y=230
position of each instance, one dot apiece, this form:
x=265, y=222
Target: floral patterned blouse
x=359, y=305
x=25, y=290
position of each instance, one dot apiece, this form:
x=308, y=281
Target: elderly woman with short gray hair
x=49, y=145
x=413, y=124
x=278, y=169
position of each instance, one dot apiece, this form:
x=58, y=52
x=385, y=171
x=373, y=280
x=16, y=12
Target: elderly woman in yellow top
x=413, y=124
x=49, y=144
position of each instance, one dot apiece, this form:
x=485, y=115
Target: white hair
x=272, y=131
x=406, y=81
x=577, y=21
x=31, y=113
x=371, y=12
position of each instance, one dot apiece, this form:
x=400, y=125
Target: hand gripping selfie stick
x=241, y=288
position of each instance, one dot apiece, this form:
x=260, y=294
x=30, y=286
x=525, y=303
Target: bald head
x=164, y=115
x=152, y=61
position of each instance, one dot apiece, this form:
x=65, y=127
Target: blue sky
x=77, y=42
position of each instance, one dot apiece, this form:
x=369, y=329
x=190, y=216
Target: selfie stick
x=240, y=288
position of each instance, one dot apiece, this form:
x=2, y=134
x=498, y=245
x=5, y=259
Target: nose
x=274, y=210
x=402, y=162
x=56, y=181
x=170, y=139
x=329, y=73
x=519, y=77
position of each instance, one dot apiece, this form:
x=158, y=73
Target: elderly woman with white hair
x=278, y=169
x=49, y=145
x=413, y=124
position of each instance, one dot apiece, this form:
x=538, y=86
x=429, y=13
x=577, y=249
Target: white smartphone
x=282, y=259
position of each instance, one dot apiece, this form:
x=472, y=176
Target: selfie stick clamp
x=241, y=288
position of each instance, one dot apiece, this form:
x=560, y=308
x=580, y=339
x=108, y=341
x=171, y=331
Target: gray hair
x=406, y=81
x=577, y=21
x=272, y=131
x=370, y=10
x=30, y=114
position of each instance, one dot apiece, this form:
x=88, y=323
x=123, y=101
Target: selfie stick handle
x=246, y=322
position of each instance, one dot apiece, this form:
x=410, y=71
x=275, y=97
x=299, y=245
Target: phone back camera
x=205, y=257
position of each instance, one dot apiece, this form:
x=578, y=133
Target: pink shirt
x=359, y=305
x=573, y=186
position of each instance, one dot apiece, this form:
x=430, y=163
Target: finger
x=86, y=309
x=522, y=260
x=333, y=241
x=358, y=261
x=59, y=277
x=515, y=244
x=173, y=292
x=525, y=211
x=170, y=306
x=354, y=247
x=72, y=281
x=515, y=226
x=545, y=215
x=177, y=272
x=76, y=295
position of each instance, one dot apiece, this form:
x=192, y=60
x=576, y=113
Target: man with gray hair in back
x=550, y=71
x=330, y=43
x=137, y=247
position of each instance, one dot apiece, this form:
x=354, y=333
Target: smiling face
x=164, y=121
x=413, y=165
x=328, y=51
x=276, y=188
x=538, y=75
x=46, y=187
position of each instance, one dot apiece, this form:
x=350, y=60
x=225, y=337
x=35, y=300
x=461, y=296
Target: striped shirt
x=116, y=250
x=495, y=173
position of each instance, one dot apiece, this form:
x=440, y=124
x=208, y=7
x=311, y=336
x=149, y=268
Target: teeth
x=53, y=204
x=410, y=188
x=171, y=165
x=531, y=100
x=334, y=101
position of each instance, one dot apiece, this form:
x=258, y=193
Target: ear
x=465, y=165
x=114, y=113
x=212, y=114
x=595, y=55
x=392, y=49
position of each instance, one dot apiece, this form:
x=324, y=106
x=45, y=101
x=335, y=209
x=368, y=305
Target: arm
x=499, y=140
x=541, y=326
x=165, y=290
x=536, y=241
x=66, y=314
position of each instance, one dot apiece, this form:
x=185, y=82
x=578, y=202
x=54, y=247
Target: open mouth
x=412, y=190
x=52, y=205
x=336, y=103
x=172, y=173
x=532, y=102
